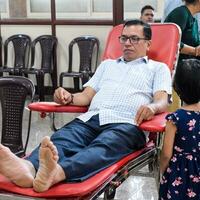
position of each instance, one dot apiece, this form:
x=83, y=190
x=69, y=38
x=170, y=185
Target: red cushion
x=161, y=49
x=54, y=107
x=73, y=189
x=157, y=124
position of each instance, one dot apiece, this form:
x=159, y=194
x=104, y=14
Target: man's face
x=134, y=50
x=147, y=16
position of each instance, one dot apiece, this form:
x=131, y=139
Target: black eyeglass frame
x=132, y=39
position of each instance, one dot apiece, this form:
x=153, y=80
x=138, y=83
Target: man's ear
x=148, y=44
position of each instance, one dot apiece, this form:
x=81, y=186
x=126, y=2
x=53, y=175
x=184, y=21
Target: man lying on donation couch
x=121, y=94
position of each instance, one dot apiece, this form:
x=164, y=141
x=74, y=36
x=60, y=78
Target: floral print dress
x=181, y=180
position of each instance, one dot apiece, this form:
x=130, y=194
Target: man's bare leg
x=19, y=171
x=49, y=172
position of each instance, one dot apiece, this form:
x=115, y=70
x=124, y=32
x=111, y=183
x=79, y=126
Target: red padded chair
x=161, y=49
x=110, y=178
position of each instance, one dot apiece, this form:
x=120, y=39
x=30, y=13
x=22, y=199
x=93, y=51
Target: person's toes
x=45, y=141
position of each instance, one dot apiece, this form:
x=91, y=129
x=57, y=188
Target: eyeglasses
x=132, y=39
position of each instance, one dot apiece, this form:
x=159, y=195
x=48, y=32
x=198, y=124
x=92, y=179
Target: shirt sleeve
x=96, y=78
x=162, y=79
x=173, y=117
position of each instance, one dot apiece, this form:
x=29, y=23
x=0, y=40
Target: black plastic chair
x=1, y=73
x=21, y=45
x=14, y=90
x=86, y=46
x=48, y=45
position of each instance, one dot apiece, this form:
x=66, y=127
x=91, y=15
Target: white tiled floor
x=134, y=188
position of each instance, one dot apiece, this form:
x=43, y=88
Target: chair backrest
x=48, y=45
x=21, y=44
x=164, y=48
x=86, y=46
x=14, y=91
x=0, y=51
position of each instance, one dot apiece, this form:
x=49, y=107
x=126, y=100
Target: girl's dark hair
x=146, y=27
x=187, y=81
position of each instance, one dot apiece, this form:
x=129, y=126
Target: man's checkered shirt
x=122, y=87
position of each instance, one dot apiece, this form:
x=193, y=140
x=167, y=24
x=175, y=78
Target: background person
x=170, y=5
x=183, y=16
x=147, y=14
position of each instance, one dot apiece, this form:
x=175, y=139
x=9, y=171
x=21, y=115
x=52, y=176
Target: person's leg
x=66, y=142
x=17, y=170
x=70, y=139
x=114, y=142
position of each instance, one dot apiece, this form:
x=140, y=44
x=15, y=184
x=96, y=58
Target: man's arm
x=83, y=98
x=159, y=104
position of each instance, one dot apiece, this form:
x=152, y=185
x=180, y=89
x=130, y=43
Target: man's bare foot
x=49, y=172
x=19, y=171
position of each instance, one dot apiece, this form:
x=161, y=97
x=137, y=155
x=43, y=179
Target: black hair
x=145, y=8
x=146, y=27
x=190, y=1
x=187, y=81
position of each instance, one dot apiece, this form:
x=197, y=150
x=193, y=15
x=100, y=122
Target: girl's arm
x=168, y=145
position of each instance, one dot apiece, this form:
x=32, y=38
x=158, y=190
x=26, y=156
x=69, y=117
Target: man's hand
x=159, y=104
x=62, y=96
x=145, y=112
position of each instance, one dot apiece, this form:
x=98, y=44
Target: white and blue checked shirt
x=122, y=87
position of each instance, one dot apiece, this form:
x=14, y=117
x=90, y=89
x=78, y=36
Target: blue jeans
x=85, y=148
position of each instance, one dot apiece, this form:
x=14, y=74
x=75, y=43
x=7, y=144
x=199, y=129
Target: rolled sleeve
x=162, y=80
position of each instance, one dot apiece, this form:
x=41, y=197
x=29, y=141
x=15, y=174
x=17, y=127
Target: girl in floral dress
x=180, y=157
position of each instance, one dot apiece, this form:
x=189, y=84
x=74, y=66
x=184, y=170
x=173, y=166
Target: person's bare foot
x=49, y=172
x=19, y=171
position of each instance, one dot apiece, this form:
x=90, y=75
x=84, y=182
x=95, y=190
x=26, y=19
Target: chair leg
x=54, y=82
x=76, y=84
x=61, y=80
x=40, y=86
x=42, y=93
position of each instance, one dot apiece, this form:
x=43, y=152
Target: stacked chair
x=14, y=91
x=88, y=47
x=20, y=44
x=48, y=65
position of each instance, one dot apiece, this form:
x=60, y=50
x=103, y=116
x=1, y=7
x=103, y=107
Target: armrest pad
x=54, y=107
x=157, y=124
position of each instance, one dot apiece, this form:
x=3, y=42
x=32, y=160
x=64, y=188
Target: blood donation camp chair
x=165, y=46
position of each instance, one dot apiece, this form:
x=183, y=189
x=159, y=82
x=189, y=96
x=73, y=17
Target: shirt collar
x=138, y=60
